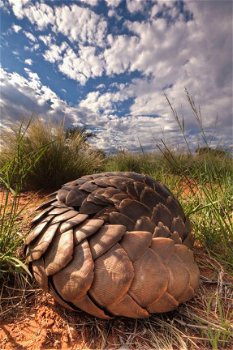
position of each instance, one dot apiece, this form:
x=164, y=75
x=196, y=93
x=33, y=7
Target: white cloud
x=16, y=28
x=21, y=97
x=135, y=5
x=169, y=55
x=46, y=39
x=81, y=65
x=32, y=48
x=90, y=2
x=28, y=61
x=104, y=103
x=111, y=13
x=41, y=15
x=18, y=7
x=178, y=55
x=77, y=23
x=16, y=52
x=80, y=24
x=55, y=52
x=30, y=36
x=116, y=62
x=113, y=3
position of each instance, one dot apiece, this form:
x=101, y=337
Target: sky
x=107, y=65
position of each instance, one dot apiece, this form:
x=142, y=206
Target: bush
x=208, y=198
x=67, y=155
x=16, y=165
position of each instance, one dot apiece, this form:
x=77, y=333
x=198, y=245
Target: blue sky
x=106, y=64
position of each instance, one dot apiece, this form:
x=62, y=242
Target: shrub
x=209, y=203
x=14, y=170
x=67, y=155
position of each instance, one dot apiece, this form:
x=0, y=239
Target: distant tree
x=71, y=131
x=218, y=151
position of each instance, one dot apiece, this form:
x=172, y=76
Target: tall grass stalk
x=210, y=201
x=13, y=173
x=67, y=155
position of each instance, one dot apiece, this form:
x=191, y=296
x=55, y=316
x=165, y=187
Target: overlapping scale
x=58, y=204
x=87, y=229
x=179, y=276
x=150, y=278
x=61, y=195
x=90, y=207
x=75, y=197
x=163, y=303
x=105, y=239
x=74, y=280
x=161, y=230
x=144, y=224
x=162, y=214
x=186, y=255
x=40, y=274
x=130, y=190
x=178, y=226
x=74, y=221
x=88, y=186
x=59, y=299
x=57, y=211
x=135, y=243
x=64, y=216
x=133, y=209
x=164, y=247
x=60, y=253
x=113, y=275
x=114, y=244
x=150, y=198
x=121, y=219
x=176, y=237
x=86, y=304
x=41, y=214
x=39, y=247
x=128, y=307
x=37, y=230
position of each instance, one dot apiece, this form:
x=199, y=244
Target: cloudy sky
x=106, y=65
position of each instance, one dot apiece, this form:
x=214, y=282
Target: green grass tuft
x=66, y=155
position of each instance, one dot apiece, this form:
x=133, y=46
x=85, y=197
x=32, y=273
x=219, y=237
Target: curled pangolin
x=114, y=244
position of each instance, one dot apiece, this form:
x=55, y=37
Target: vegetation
x=14, y=172
x=202, y=183
x=41, y=156
x=68, y=155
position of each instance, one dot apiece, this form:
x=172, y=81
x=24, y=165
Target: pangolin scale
x=113, y=244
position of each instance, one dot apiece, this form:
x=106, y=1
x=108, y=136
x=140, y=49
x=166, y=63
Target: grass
x=13, y=174
x=202, y=181
x=67, y=156
x=42, y=157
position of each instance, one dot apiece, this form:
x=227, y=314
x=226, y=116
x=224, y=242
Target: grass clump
x=207, y=177
x=126, y=161
x=67, y=155
x=13, y=173
x=202, y=181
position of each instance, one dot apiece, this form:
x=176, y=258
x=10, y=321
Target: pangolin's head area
x=114, y=244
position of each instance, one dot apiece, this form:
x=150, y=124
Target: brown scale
x=113, y=244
